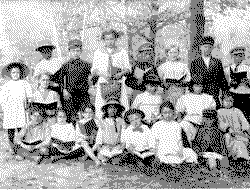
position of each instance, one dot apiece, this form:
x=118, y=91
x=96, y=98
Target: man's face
x=173, y=54
x=109, y=41
x=238, y=58
x=88, y=113
x=206, y=50
x=75, y=53
x=167, y=114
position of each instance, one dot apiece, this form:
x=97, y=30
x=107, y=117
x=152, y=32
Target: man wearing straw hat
x=110, y=66
x=73, y=80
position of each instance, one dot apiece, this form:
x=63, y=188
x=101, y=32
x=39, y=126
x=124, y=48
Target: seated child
x=67, y=140
x=34, y=140
x=108, y=139
x=191, y=105
x=234, y=122
x=88, y=124
x=167, y=140
x=210, y=141
x=137, y=135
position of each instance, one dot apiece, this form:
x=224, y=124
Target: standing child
x=15, y=94
x=108, y=140
x=234, y=122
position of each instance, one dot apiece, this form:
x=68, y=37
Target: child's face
x=197, y=88
x=35, y=117
x=135, y=120
x=44, y=81
x=112, y=111
x=61, y=117
x=151, y=88
x=167, y=114
x=15, y=74
x=227, y=103
x=88, y=113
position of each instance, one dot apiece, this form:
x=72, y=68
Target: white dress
x=148, y=103
x=51, y=98
x=13, y=100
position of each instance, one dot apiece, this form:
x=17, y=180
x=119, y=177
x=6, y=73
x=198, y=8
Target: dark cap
x=209, y=113
x=208, y=40
x=47, y=49
x=73, y=44
x=238, y=50
x=112, y=32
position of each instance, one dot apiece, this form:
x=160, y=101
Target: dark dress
x=77, y=74
x=43, y=108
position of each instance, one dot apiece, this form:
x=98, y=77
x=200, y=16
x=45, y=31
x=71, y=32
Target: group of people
x=151, y=112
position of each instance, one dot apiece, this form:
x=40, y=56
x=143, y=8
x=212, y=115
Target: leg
x=11, y=136
x=68, y=107
x=88, y=150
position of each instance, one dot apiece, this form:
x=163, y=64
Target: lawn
x=75, y=174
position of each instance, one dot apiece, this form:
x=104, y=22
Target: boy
x=167, y=138
x=191, y=105
x=234, y=122
x=108, y=140
x=67, y=140
x=35, y=139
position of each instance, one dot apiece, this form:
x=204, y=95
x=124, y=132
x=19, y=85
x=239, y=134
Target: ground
x=74, y=174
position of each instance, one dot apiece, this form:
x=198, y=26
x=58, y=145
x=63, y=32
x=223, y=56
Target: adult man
x=238, y=75
x=110, y=65
x=73, y=79
x=210, y=70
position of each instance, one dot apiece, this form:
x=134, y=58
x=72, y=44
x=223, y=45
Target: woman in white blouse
x=173, y=72
x=45, y=99
x=149, y=101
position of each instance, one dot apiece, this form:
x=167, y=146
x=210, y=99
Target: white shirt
x=139, y=139
x=148, y=103
x=51, y=98
x=194, y=104
x=206, y=60
x=174, y=70
x=101, y=61
x=66, y=132
x=168, y=135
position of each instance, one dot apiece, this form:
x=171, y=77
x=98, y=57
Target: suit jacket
x=213, y=77
x=76, y=72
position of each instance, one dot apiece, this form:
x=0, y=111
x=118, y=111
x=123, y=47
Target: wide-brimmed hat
x=151, y=79
x=116, y=34
x=46, y=49
x=74, y=44
x=131, y=112
x=113, y=102
x=208, y=40
x=24, y=70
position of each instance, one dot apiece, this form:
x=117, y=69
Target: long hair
x=46, y=73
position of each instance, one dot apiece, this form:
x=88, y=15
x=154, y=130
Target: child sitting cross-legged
x=108, y=139
x=68, y=141
x=233, y=121
x=34, y=140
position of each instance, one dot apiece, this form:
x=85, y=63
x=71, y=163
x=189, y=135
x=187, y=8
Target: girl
x=15, y=94
x=67, y=140
x=108, y=140
x=45, y=99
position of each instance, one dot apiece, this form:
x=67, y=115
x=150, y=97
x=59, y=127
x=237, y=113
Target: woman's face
x=44, y=81
x=135, y=120
x=112, y=111
x=15, y=74
x=88, y=113
x=61, y=117
x=173, y=54
x=167, y=113
x=109, y=41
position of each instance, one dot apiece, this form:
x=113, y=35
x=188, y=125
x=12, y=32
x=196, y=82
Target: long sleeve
x=180, y=106
x=137, y=101
x=223, y=125
x=28, y=89
x=125, y=59
x=244, y=122
x=223, y=81
x=187, y=72
x=213, y=103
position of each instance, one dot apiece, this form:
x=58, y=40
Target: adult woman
x=14, y=96
x=45, y=100
x=173, y=72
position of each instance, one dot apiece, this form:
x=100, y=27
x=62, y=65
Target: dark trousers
x=241, y=101
x=72, y=105
x=11, y=136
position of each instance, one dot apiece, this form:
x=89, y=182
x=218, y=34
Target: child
x=34, y=139
x=234, y=122
x=108, y=139
x=167, y=139
x=88, y=124
x=67, y=140
x=191, y=105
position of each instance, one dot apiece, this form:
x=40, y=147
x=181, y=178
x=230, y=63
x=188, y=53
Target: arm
x=223, y=81
x=94, y=69
x=160, y=71
x=213, y=103
x=58, y=77
x=244, y=122
x=180, y=106
x=187, y=72
x=98, y=142
x=137, y=101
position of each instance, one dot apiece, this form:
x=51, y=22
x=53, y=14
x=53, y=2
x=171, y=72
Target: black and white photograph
x=124, y=94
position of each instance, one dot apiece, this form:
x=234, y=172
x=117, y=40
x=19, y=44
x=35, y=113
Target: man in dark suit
x=210, y=70
x=73, y=81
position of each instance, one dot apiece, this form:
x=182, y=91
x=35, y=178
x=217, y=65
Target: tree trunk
x=196, y=23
